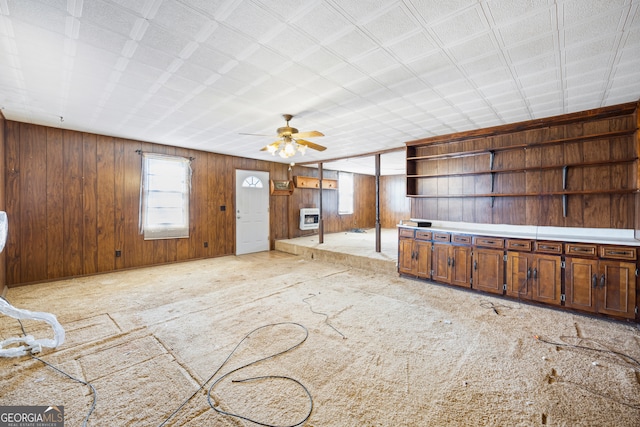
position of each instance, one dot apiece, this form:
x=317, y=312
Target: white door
x=252, y=211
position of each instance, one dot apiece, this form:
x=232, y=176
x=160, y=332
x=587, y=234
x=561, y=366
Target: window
x=164, y=196
x=252, y=182
x=345, y=193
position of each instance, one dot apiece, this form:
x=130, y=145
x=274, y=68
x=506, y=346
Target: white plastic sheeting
x=20, y=346
x=29, y=343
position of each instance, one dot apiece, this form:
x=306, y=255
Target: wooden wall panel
x=33, y=191
x=394, y=206
x=105, y=203
x=72, y=201
x=12, y=189
x=3, y=255
x=90, y=203
x=55, y=205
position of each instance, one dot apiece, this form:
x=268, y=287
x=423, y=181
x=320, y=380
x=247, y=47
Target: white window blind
x=345, y=193
x=164, y=196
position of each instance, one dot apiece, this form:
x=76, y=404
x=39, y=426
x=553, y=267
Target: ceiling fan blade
x=311, y=145
x=311, y=134
x=274, y=144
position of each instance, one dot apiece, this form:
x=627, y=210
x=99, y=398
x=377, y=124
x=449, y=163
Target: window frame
x=180, y=193
x=342, y=186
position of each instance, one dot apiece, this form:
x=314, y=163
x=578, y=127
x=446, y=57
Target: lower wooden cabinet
x=452, y=264
x=488, y=270
x=601, y=286
x=534, y=276
x=588, y=277
x=414, y=257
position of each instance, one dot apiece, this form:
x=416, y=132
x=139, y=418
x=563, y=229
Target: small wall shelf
x=312, y=182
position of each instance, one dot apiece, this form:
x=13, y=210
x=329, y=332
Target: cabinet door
x=423, y=259
x=546, y=279
x=488, y=270
x=405, y=256
x=440, y=263
x=581, y=279
x=461, y=266
x=617, y=288
x=518, y=274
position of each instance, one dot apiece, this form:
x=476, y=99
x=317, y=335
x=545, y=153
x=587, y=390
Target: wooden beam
x=320, y=220
x=390, y=150
x=378, y=231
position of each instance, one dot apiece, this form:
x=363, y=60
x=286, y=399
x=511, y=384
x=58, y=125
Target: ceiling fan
x=291, y=141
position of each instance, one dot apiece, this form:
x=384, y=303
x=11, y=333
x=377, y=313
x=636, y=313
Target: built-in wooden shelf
x=312, y=182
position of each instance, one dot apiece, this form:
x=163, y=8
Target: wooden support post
x=378, y=236
x=320, y=220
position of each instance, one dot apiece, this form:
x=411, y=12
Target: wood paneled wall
x=394, y=206
x=72, y=199
x=3, y=257
x=599, y=146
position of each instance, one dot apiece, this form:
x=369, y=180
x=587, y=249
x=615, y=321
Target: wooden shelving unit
x=312, y=182
x=585, y=155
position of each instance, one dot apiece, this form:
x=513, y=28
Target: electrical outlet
x=118, y=253
x=206, y=244
x=223, y=208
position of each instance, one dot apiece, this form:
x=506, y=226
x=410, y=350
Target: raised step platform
x=352, y=249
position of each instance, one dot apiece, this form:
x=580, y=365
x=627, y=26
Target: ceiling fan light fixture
x=302, y=149
x=272, y=149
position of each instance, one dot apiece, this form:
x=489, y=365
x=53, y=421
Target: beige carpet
x=413, y=353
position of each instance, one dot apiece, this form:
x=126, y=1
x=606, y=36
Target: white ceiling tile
x=267, y=61
x=352, y=44
x=602, y=25
x=374, y=61
x=415, y=46
x=596, y=47
x=323, y=23
x=100, y=12
x=361, y=9
x=38, y=14
x=578, y=10
x=102, y=38
x=537, y=65
x=161, y=39
x=479, y=46
x=466, y=24
x=490, y=63
x=135, y=6
x=432, y=10
x=253, y=21
x=391, y=75
x=539, y=78
x=531, y=26
x=292, y=43
x=532, y=48
x=393, y=24
x=320, y=60
x=508, y=11
x=152, y=57
x=180, y=19
x=430, y=64
x=229, y=41
x=345, y=75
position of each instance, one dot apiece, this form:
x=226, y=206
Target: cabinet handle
x=488, y=242
x=618, y=253
x=453, y=262
x=546, y=247
x=448, y=261
x=535, y=273
x=574, y=249
x=594, y=281
x=528, y=273
x=475, y=265
x=602, y=281
x=518, y=245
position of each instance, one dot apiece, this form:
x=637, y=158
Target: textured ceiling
x=369, y=74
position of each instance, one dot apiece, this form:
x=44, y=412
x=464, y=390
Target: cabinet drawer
x=549, y=247
x=406, y=232
x=584, y=249
x=442, y=237
x=519, y=245
x=489, y=242
x=461, y=238
x=423, y=235
x=618, y=252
